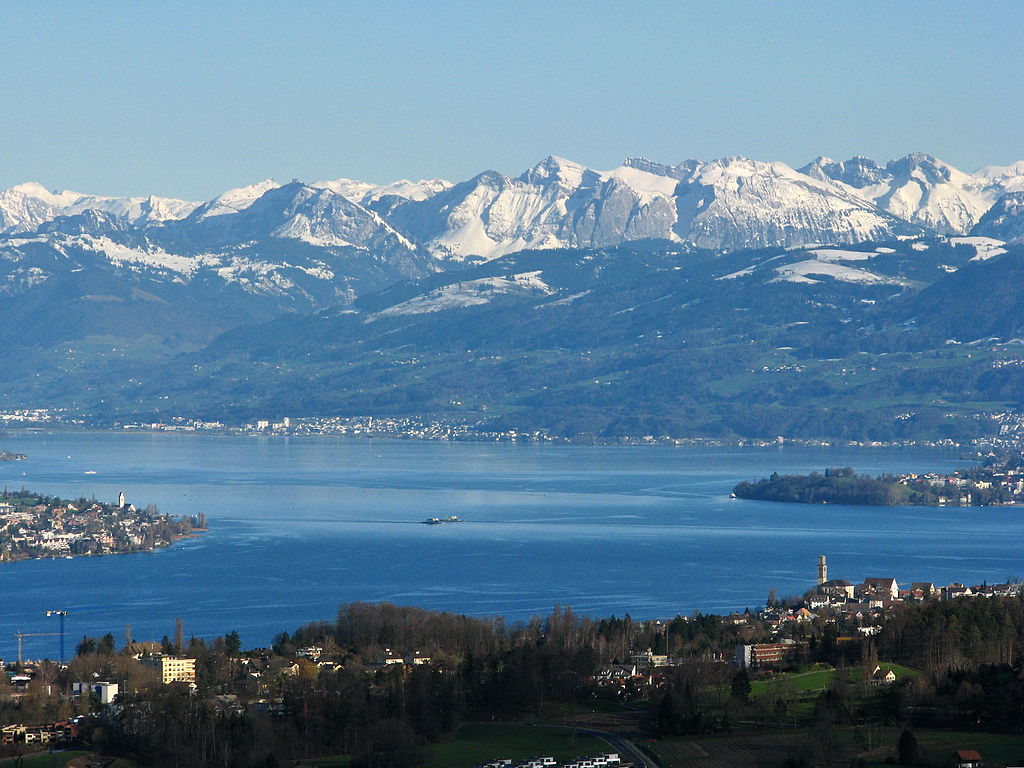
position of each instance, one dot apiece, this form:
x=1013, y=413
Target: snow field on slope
x=468, y=293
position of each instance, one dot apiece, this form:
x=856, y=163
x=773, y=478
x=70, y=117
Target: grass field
x=753, y=750
x=816, y=680
x=336, y=761
x=477, y=742
x=797, y=682
x=768, y=749
x=61, y=760
x=998, y=748
x=900, y=670
x=51, y=760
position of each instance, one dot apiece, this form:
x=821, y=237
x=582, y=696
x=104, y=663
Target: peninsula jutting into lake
x=994, y=484
x=34, y=525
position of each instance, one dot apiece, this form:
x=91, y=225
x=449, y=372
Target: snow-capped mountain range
x=331, y=240
x=725, y=203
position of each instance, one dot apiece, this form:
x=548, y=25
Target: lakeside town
x=1009, y=434
x=34, y=525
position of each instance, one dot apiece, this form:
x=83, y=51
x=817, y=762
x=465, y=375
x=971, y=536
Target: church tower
x=120, y=503
x=822, y=570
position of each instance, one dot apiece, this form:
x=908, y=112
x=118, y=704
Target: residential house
x=648, y=659
x=882, y=676
x=884, y=587
x=966, y=758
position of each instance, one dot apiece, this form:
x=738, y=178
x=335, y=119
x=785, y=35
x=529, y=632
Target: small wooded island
x=34, y=525
x=995, y=484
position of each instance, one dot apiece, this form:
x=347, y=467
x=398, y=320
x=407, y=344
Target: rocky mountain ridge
x=722, y=204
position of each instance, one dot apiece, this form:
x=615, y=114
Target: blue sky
x=189, y=99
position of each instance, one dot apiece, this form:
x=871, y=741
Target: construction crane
x=20, y=635
x=63, y=615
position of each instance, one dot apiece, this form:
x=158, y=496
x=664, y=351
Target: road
x=626, y=748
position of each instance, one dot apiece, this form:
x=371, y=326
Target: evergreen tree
x=907, y=748
x=741, y=685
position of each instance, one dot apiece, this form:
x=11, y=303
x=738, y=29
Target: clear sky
x=189, y=99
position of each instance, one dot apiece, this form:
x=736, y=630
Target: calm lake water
x=301, y=525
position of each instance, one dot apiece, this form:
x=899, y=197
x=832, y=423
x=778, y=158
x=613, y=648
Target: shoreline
x=195, y=534
x=681, y=442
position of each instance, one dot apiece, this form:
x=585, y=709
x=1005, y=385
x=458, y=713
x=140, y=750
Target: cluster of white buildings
x=36, y=416
x=956, y=490
x=606, y=760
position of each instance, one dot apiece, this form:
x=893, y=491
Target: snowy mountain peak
x=56, y=198
x=931, y=170
x=1002, y=178
x=235, y=200
x=23, y=213
x=857, y=172
x=917, y=187
x=89, y=222
x=678, y=172
x=364, y=193
x=553, y=169
x=1001, y=171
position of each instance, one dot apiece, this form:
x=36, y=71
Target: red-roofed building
x=966, y=758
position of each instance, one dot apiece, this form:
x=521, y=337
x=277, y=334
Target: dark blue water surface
x=301, y=525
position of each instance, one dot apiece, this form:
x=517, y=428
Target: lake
x=301, y=525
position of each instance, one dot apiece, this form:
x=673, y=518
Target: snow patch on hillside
x=984, y=247
x=469, y=293
x=739, y=273
x=563, y=301
x=154, y=258
x=836, y=254
x=806, y=271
